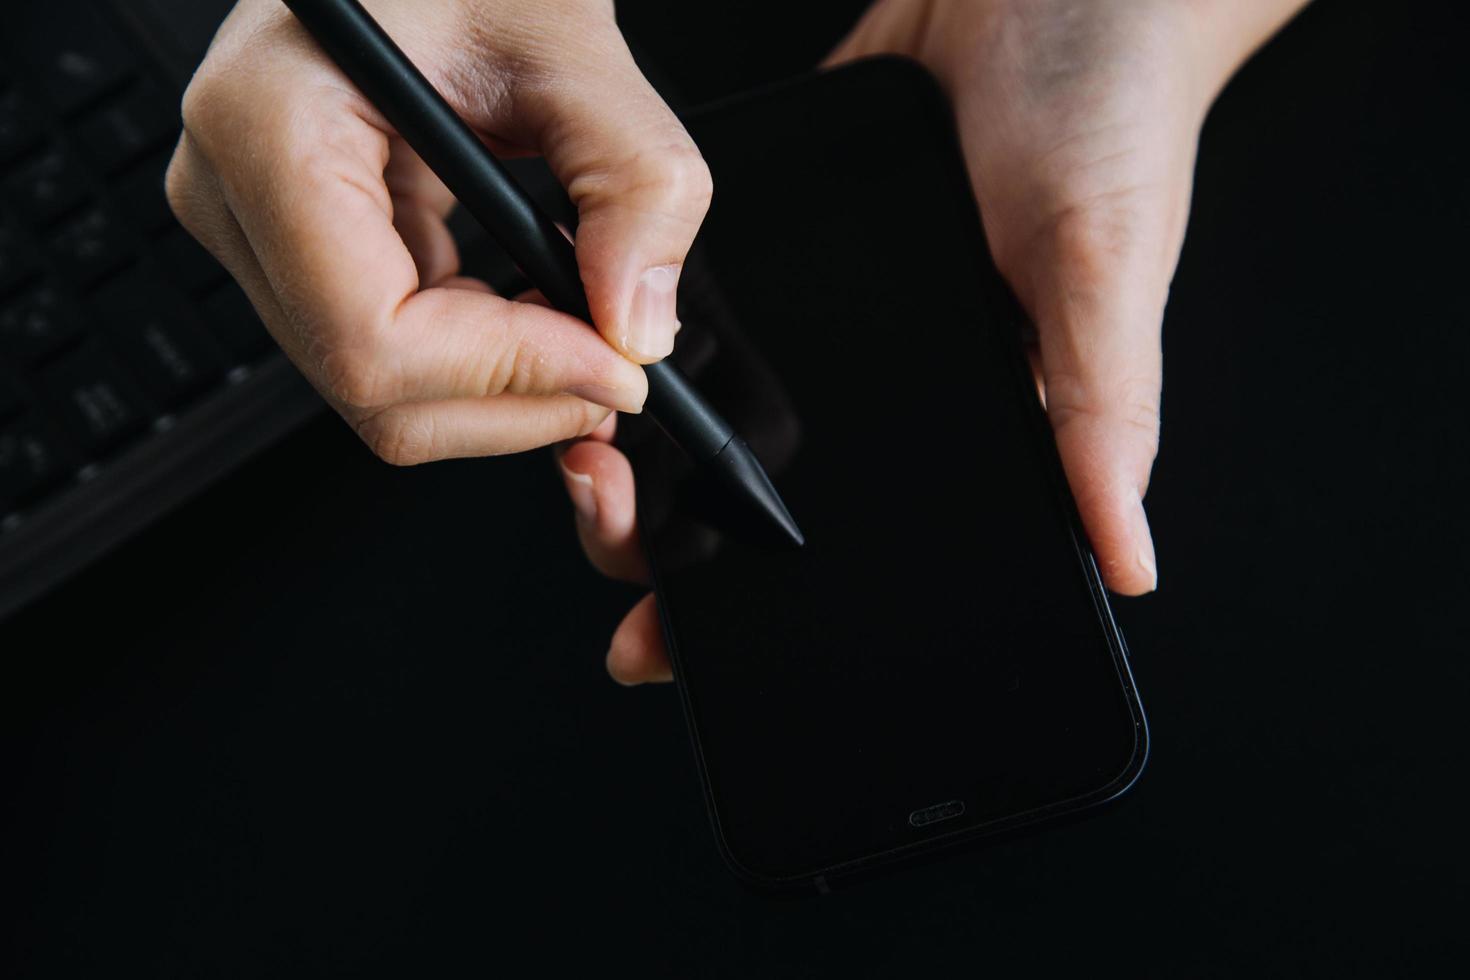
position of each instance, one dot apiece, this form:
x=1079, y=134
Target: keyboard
x=133, y=371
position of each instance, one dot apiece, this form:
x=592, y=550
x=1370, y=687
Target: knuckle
x=181, y=187
x=686, y=179
x=298, y=138
x=358, y=378
x=571, y=418
x=307, y=135
x=515, y=371
x=1131, y=404
x=197, y=108
x=303, y=144
x=399, y=438
x=1090, y=243
x=520, y=366
x=317, y=143
x=673, y=181
x=686, y=176
x=584, y=417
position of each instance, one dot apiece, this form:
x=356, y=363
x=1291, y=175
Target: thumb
x=1099, y=310
x=641, y=189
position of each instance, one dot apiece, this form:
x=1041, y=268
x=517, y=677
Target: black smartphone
x=939, y=661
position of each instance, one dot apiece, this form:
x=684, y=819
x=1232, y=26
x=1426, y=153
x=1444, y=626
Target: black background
x=335, y=717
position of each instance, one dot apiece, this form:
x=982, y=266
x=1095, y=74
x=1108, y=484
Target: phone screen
x=939, y=657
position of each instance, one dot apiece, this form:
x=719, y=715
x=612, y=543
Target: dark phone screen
x=934, y=660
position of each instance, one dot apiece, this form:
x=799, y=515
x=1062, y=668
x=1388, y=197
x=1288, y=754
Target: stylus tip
x=745, y=475
x=776, y=507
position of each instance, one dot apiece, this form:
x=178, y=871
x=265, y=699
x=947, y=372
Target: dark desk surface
x=335, y=717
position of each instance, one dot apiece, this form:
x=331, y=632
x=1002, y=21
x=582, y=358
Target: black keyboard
x=132, y=370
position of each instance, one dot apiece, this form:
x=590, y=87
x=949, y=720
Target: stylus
x=368, y=56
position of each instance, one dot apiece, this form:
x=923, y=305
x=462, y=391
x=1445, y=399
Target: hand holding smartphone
x=939, y=662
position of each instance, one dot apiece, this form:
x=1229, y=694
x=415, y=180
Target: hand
x=336, y=230
x=1079, y=120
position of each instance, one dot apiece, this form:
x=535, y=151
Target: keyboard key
x=189, y=263
x=173, y=360
x=159, y=337
x=47, y=185
x=31, y=460
x=78, y=56
x=141, y=192
x=122, y=129
x=95, y=399
x=90, y=244
x=17, y=260
x=38, y=322
x=232, y=320
x=20, y=126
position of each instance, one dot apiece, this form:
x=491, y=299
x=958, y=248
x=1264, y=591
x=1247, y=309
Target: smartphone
x=939, y=661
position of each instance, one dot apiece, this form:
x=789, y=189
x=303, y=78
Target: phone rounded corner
x=765, y=883
x=1132, y=770
x=1137, y=763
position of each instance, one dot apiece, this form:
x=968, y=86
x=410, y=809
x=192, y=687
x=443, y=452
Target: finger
x=608, y=426
x=427, y=238
x=310, y=196
x=438, y=431
x=600, y=483
x=455, y=343
x=196, y=198
x=197, y=201
x=639, y=183
x=409, y=177
x=316, y=212
x=466, y=282
x=420, y=204
x=637, y=654
x=607, y=431
x=421, y=432
x=1099, y=314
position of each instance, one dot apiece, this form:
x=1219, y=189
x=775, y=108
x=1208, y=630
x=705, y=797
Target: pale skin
x=1078, y=120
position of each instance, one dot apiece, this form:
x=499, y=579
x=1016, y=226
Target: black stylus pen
x=364, y=51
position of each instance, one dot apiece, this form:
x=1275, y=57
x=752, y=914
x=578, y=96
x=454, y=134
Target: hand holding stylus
x=1079, y=123
x=336, y=229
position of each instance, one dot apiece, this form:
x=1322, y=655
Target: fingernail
x=652, y=320
x=617, y=399
x=1146, y=562
x=1145, y=558
x=582, y=492
x=610, y=653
